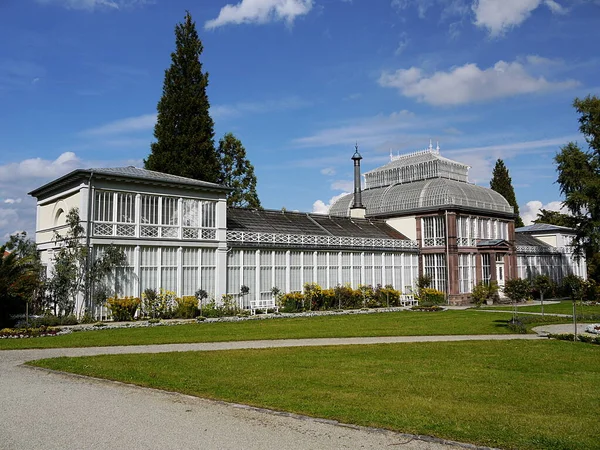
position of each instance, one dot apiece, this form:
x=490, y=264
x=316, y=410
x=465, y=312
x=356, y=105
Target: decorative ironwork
x=125, y=230
x=540, y=249
x=103, y=229
x=149, y=231
x=209, y=234
x=169, y=232
x=318, y=240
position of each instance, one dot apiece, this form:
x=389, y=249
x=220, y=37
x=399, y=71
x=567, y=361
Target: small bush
x=187, y=307
x=28, y=332
x=123, y=309
x=291, y=302
x=159, y=304
x=517, y=326
x=482, y=292
x=431, y=297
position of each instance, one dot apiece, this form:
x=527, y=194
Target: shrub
x=123, y=309
x=483, y=292
x=387, y=295
x=28, y=332
x=431, y=297
x=291, y=302
x=187, y=307
x=517, y=326
x=159, y=305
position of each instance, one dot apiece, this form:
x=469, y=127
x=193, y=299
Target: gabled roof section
x=544, y=227
x=129, y=173
x=294, y=223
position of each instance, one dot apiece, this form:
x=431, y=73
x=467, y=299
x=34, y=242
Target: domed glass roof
x=422, y=195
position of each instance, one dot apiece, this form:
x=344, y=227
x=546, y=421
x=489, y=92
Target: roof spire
x=437, y=148
x=430, y=144
x=391, y=155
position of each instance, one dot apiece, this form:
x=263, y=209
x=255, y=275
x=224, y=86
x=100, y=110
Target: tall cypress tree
x=184, y=129
x=502, y=183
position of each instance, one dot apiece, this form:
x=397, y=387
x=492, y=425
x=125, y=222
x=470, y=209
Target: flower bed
x=19, y=333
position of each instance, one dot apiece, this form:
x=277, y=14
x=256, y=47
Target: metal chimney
x=357, y=191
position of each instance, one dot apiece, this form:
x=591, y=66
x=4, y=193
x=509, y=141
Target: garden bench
x=263, y=305
x=408, y=300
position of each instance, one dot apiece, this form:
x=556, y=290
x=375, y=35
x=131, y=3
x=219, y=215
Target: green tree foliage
x=73, y=271
x=579, y=181
x=184, y=129
x=19, y=283
x=237, y=173
x=502, y=183
x=554, y=218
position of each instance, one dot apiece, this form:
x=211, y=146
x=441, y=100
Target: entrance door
x=500, y=269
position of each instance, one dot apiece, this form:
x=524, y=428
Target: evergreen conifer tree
x=237, y=173
x=184, y=129
x=502, y=183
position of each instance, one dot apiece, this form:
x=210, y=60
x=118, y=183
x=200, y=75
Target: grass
x=509, y=394
x=405, y=323
x=564, y=307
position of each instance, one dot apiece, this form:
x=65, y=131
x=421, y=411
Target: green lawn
x=564, y=307
x=405, y=323
x=508, y=394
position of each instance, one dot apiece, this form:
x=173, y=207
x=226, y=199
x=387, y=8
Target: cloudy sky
x=299, y=82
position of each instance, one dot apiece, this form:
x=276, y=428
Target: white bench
x=408, y=300
x=263, y=305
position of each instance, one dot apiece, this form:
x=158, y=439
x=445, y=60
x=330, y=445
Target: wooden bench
x=263, y=305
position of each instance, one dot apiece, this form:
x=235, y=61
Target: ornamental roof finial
x=437, y=148
x=430, y=144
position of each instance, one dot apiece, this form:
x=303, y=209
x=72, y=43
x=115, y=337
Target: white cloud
x=90, y=5
x=343, y=185
x=363, y=131
x=260, y=11
x=402, y=44
x=17, y=209
x=328, y=171
x=499, y=16
x=530, y=211
x=262, y=107
x=320, y=207
x=469, y=83
x=39, y=168
x=122, y=126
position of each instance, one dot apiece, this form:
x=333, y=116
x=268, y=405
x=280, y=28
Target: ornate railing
x=540, y=249
x=153, y=231
x=317, y=240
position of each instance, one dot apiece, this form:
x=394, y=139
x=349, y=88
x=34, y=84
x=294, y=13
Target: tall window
x=190, y=271
x=169, y=269
x=433, y=231
x=149, y=209
x=435, y=267
x=169, y=211
x=125, y=207
x=208, y=214
x=103, y=206
x=295, y=272
x=466, y=272
x=486, y=274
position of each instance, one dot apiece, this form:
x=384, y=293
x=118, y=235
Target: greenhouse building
x=418, y=214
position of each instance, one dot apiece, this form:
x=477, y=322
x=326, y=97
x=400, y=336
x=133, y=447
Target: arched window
x=60, y=217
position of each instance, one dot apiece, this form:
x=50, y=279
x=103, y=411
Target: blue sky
x=298, y=82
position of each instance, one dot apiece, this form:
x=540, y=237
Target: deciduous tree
x=579, y=181
x=501, y=182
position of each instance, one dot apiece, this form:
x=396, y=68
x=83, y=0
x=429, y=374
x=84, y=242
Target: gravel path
x=50, y=410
